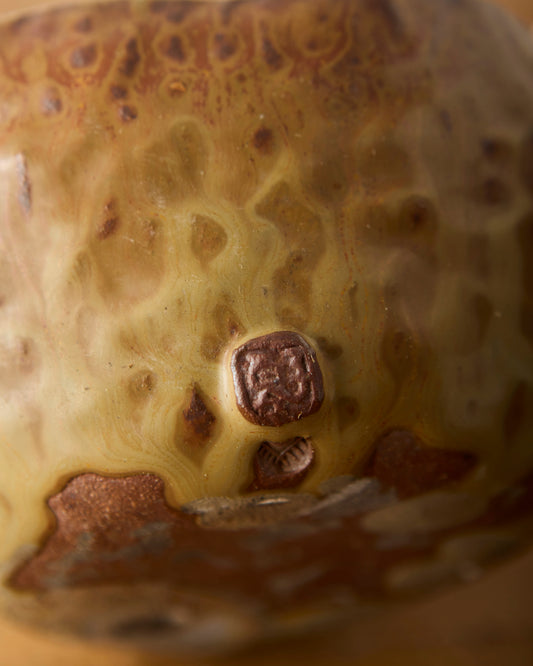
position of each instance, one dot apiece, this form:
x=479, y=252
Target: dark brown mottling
x=271, y=55
x=178, y=12
x=127, y=112
x=401, y=461
x=263, y=140
x=225, y=45
x=84, y=25
x=108, y=227
x=412, y=223
x=83, y=56
x=174, y=48
x=226, y=325
x=118, y=92
x=131, y=60
x=208, y=238
x=417, y=215
x=110, y=221
x=199, y=420
x=329, y=348
x=494, y=192
x=497, y=151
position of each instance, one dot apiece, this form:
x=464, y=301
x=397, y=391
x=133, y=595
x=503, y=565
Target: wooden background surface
x=488, y=623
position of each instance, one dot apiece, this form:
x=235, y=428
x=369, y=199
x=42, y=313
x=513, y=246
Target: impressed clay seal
x=282, y=464
x=277, y=379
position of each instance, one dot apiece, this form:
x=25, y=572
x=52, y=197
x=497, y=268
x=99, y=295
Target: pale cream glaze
x=353, y=171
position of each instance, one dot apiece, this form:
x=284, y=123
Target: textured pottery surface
x=266, y=312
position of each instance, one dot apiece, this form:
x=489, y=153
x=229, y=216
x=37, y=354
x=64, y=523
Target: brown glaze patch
x=263, y=140
x=108, y=228
x=198, y=419
x=173, y=49
x=402, y=462
x=122, y=531
x=110, y=223
x=118, y=92
x=208, y=238
x=127, y=113
x=271, y=55
x=84, y=25
x=279, y=465
x=95, y=516
x=417, y=215
x=277, y=379
x=26, y=355
x=412, y=222
x=225, y=45
x=84, y=56
x=131, y=60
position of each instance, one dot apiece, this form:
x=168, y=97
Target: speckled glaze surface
x=182, y=180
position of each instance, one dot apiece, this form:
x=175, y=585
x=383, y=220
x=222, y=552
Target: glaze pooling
x=181, y=178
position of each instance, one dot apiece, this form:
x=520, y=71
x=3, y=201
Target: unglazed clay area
x=266, y=313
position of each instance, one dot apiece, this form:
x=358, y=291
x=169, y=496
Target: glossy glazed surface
x=180, y=179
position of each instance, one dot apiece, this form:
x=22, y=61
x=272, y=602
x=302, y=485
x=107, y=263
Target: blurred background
x=487, y=623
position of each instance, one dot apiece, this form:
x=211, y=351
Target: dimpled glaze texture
x=178, y=179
